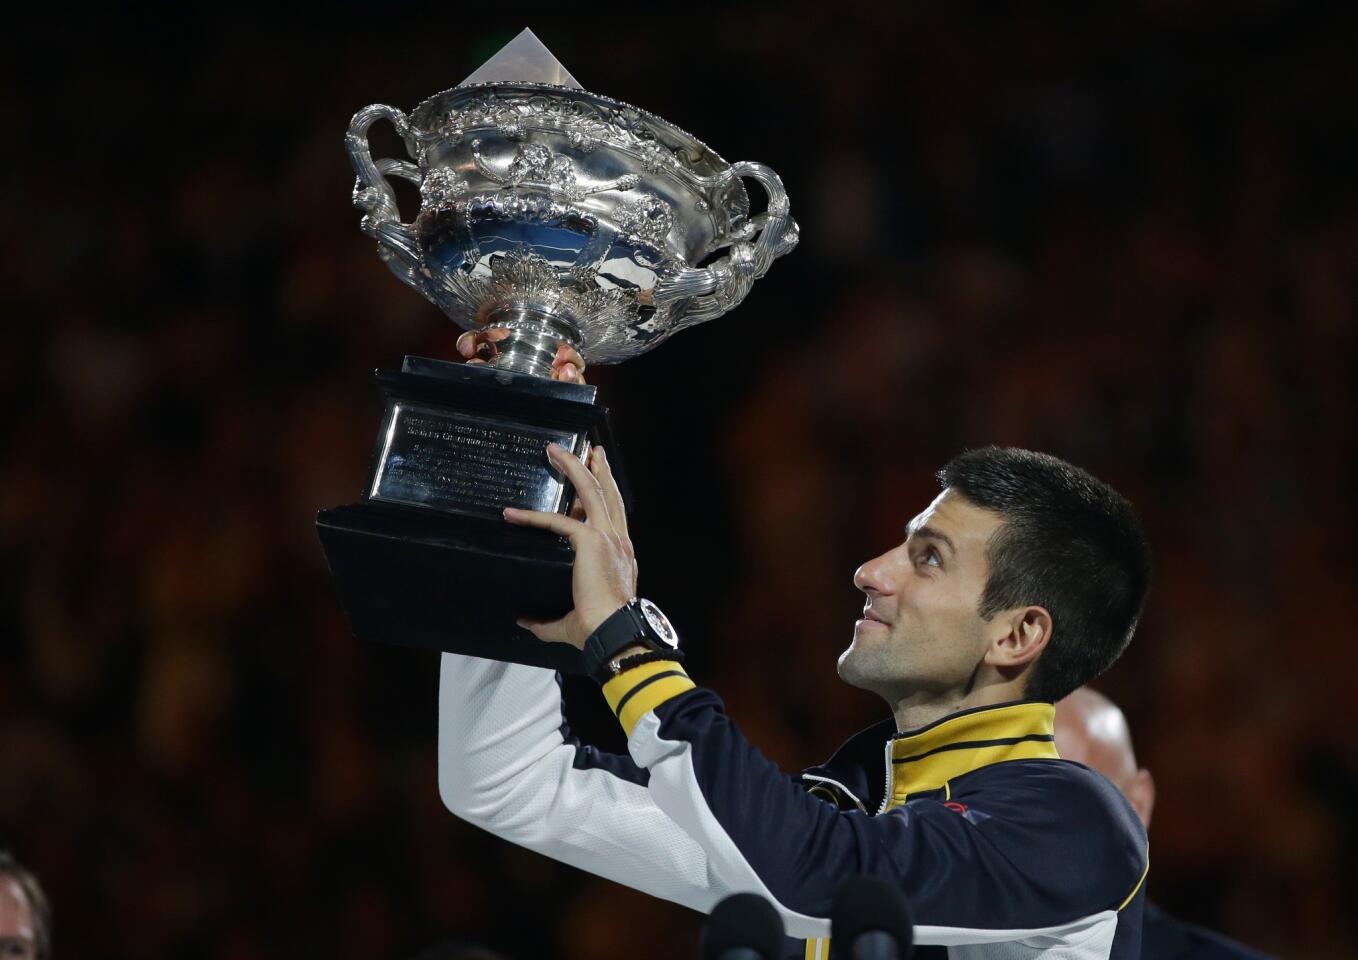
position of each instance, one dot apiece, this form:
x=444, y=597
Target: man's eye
x=930, y=558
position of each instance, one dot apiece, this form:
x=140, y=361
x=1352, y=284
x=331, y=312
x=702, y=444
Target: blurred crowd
x=1129, y=238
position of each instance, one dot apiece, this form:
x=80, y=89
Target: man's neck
x=918, y=710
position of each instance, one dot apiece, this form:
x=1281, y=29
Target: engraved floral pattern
x=524, y=275
x=529, y=163
x=440, y=188
x=561, y=173
x=585, y=125
x=534, y=164
x=646, y=217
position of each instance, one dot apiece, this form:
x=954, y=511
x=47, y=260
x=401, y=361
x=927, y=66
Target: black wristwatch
x=635, y=623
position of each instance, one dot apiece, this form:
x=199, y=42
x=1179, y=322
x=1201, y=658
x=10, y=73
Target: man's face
x=921, y=632
x=16, y=922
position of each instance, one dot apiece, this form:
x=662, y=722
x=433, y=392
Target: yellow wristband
x=637, y=691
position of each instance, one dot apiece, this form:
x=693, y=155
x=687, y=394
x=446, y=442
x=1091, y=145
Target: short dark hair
x=37, y=902
x=1069, y=543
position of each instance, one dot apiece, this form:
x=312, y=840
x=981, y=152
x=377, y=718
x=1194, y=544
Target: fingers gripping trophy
x=559, y=228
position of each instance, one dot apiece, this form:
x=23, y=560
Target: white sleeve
x=505, y=766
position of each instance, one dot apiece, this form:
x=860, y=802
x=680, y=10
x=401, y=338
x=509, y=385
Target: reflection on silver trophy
x=564, y=215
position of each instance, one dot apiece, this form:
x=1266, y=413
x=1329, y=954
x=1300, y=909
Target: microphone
x=870, y=920
x=744, y=926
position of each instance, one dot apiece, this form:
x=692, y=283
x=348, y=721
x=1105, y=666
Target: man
x=1021, y=581
x=1090, y=729
x=25, y=920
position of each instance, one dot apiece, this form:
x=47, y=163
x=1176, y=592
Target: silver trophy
x=557, y=215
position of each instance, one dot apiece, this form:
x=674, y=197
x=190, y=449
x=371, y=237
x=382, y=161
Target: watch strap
x=623, y=628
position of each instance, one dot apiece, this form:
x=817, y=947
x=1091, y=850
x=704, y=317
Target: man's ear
x=1141, y=794
x=1029, y=630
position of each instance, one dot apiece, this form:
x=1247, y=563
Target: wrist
x=596, y=617
x=636, y=624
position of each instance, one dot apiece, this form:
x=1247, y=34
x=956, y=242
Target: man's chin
x=865, y=666
x=851, y=668
x=840, y=664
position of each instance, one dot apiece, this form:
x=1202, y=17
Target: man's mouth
x=868, y=614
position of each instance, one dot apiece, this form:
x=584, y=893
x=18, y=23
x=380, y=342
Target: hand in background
x=478, y=346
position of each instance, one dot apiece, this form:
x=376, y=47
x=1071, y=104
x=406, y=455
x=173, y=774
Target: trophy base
x=453, y=584
x=426, y=559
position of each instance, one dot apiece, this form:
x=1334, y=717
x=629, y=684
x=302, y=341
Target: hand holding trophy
x=480, y=347
x=557, y=227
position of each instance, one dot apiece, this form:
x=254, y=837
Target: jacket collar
x=926, y=759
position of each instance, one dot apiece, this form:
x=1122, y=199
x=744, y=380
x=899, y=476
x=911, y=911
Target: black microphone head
x=743, y=921
x=868, y=905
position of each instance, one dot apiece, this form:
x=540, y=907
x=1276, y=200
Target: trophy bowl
x=563, y=215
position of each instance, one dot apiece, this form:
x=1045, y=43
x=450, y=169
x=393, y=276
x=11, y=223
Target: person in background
x=1090, y=729
x=25, y=918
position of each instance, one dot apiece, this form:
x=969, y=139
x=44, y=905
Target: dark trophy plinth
x=426, y=559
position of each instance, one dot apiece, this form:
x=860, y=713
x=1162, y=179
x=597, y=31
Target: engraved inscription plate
x=452, y=461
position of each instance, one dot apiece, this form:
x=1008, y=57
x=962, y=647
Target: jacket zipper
x=886, y=792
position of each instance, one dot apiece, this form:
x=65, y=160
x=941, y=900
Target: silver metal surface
x=454, y=461
x=565, y=216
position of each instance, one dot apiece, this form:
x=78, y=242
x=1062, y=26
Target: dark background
x=1127, y=235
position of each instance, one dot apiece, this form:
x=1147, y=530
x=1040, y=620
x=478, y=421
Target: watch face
x=659, y=623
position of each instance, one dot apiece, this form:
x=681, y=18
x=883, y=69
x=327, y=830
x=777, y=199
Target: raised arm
x=508, y=764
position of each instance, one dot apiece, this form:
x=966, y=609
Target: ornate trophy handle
x=397, y=243
x=763, y=239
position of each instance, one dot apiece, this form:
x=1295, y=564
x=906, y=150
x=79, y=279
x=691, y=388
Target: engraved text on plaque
x=456, y=462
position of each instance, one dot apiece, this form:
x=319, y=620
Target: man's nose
x=868, y=577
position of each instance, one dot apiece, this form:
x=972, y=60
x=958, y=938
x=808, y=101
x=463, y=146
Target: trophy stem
x=532, y=342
